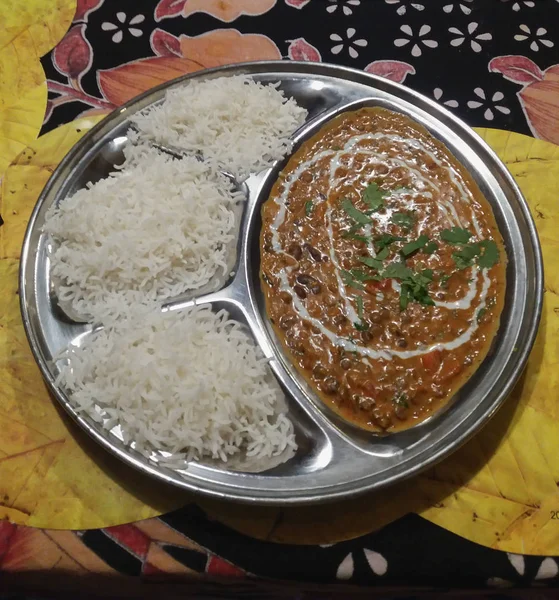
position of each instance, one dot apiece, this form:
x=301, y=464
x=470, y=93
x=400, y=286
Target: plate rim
x=324, y=494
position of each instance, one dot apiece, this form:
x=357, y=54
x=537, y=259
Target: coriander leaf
x=351, y=231
x=362, y=276
x=401, y=400
x=404, y=296
x=359, y=301
x=427, y=275
x=480, y=314
x=490, y=256
x=456, y=235
x=397, y=271
x=374, y=263
x=465, y=256
x=414, y=246
x=443, y=281
x=354, y=236
x=421, y=295
x=309, y=208
x=386, y=240
x=361, y=326
x=405, y=220
x=373, y=196
x=354, y=213
x=349, y=281
x=382, y=254
x=430, y=248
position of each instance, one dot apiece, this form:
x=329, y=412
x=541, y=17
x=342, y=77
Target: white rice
x=192, y=384
x=152, y=230
x=235, y=123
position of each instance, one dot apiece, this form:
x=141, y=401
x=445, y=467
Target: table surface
x=494, y=63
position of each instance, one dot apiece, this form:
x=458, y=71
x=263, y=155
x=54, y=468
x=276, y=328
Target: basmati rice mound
x=191, y=383
x=236, y=124
x=153, y=229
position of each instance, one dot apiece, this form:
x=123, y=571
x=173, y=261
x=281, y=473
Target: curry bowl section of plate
x=335, y=457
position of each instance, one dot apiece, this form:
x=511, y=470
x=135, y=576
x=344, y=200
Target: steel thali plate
x=334, y=460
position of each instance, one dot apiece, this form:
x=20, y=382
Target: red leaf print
x=169, y=8
x=48, y=112
x=516, y=68
x=84, y=7
x=120, y=84
x=131, y=538
x=221, y=568
x=390, y=69
x=297, y=3
x=7, y=530
x=73, y=55
x=300, y=49
x=165, y=44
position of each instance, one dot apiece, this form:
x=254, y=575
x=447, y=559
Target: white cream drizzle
x=446, y=207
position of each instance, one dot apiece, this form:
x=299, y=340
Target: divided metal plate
x=334, y=459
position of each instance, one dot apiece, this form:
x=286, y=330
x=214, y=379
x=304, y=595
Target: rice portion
x=192, y=383
x=235, y=123
x=157, y=227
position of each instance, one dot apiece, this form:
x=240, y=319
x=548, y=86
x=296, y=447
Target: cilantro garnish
x=405, y=297
x=464, y=258
x=414, y=246
x=362, y=276
x=486, y=252
x=413, y=286
x=405, y=220
x=361, y=326
x=480, y=314
x=354, y=213
x=350, y=281
x=397, y=271
x=386, y=240
x=359, y=301
x=456, y=235
x=401, y=400
x=374, y=196
x=354, y=236
x=490, y=256
x=376, y=262
x=309, y=206
x=430, y=247
x=443, y=281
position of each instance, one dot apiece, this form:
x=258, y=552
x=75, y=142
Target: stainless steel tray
x=334, y=459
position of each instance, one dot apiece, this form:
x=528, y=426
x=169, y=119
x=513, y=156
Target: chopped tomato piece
x=451, y=367
x=432, y=361
x=373, y=287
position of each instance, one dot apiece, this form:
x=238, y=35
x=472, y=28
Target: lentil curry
x=382, y=268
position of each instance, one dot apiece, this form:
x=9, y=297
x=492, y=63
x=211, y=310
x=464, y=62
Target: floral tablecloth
x=488, y=517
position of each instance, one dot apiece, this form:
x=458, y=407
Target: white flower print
x=448, y=8
x=350, y=42
x=344, y=4
x=438, y=94
x=548, y=569
x=470, y=35
x=489, y=104
x=536, y=38
x=417, y=41
x=518, y=5
x=376, y=562
x=404, y=5
x=118, y=29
